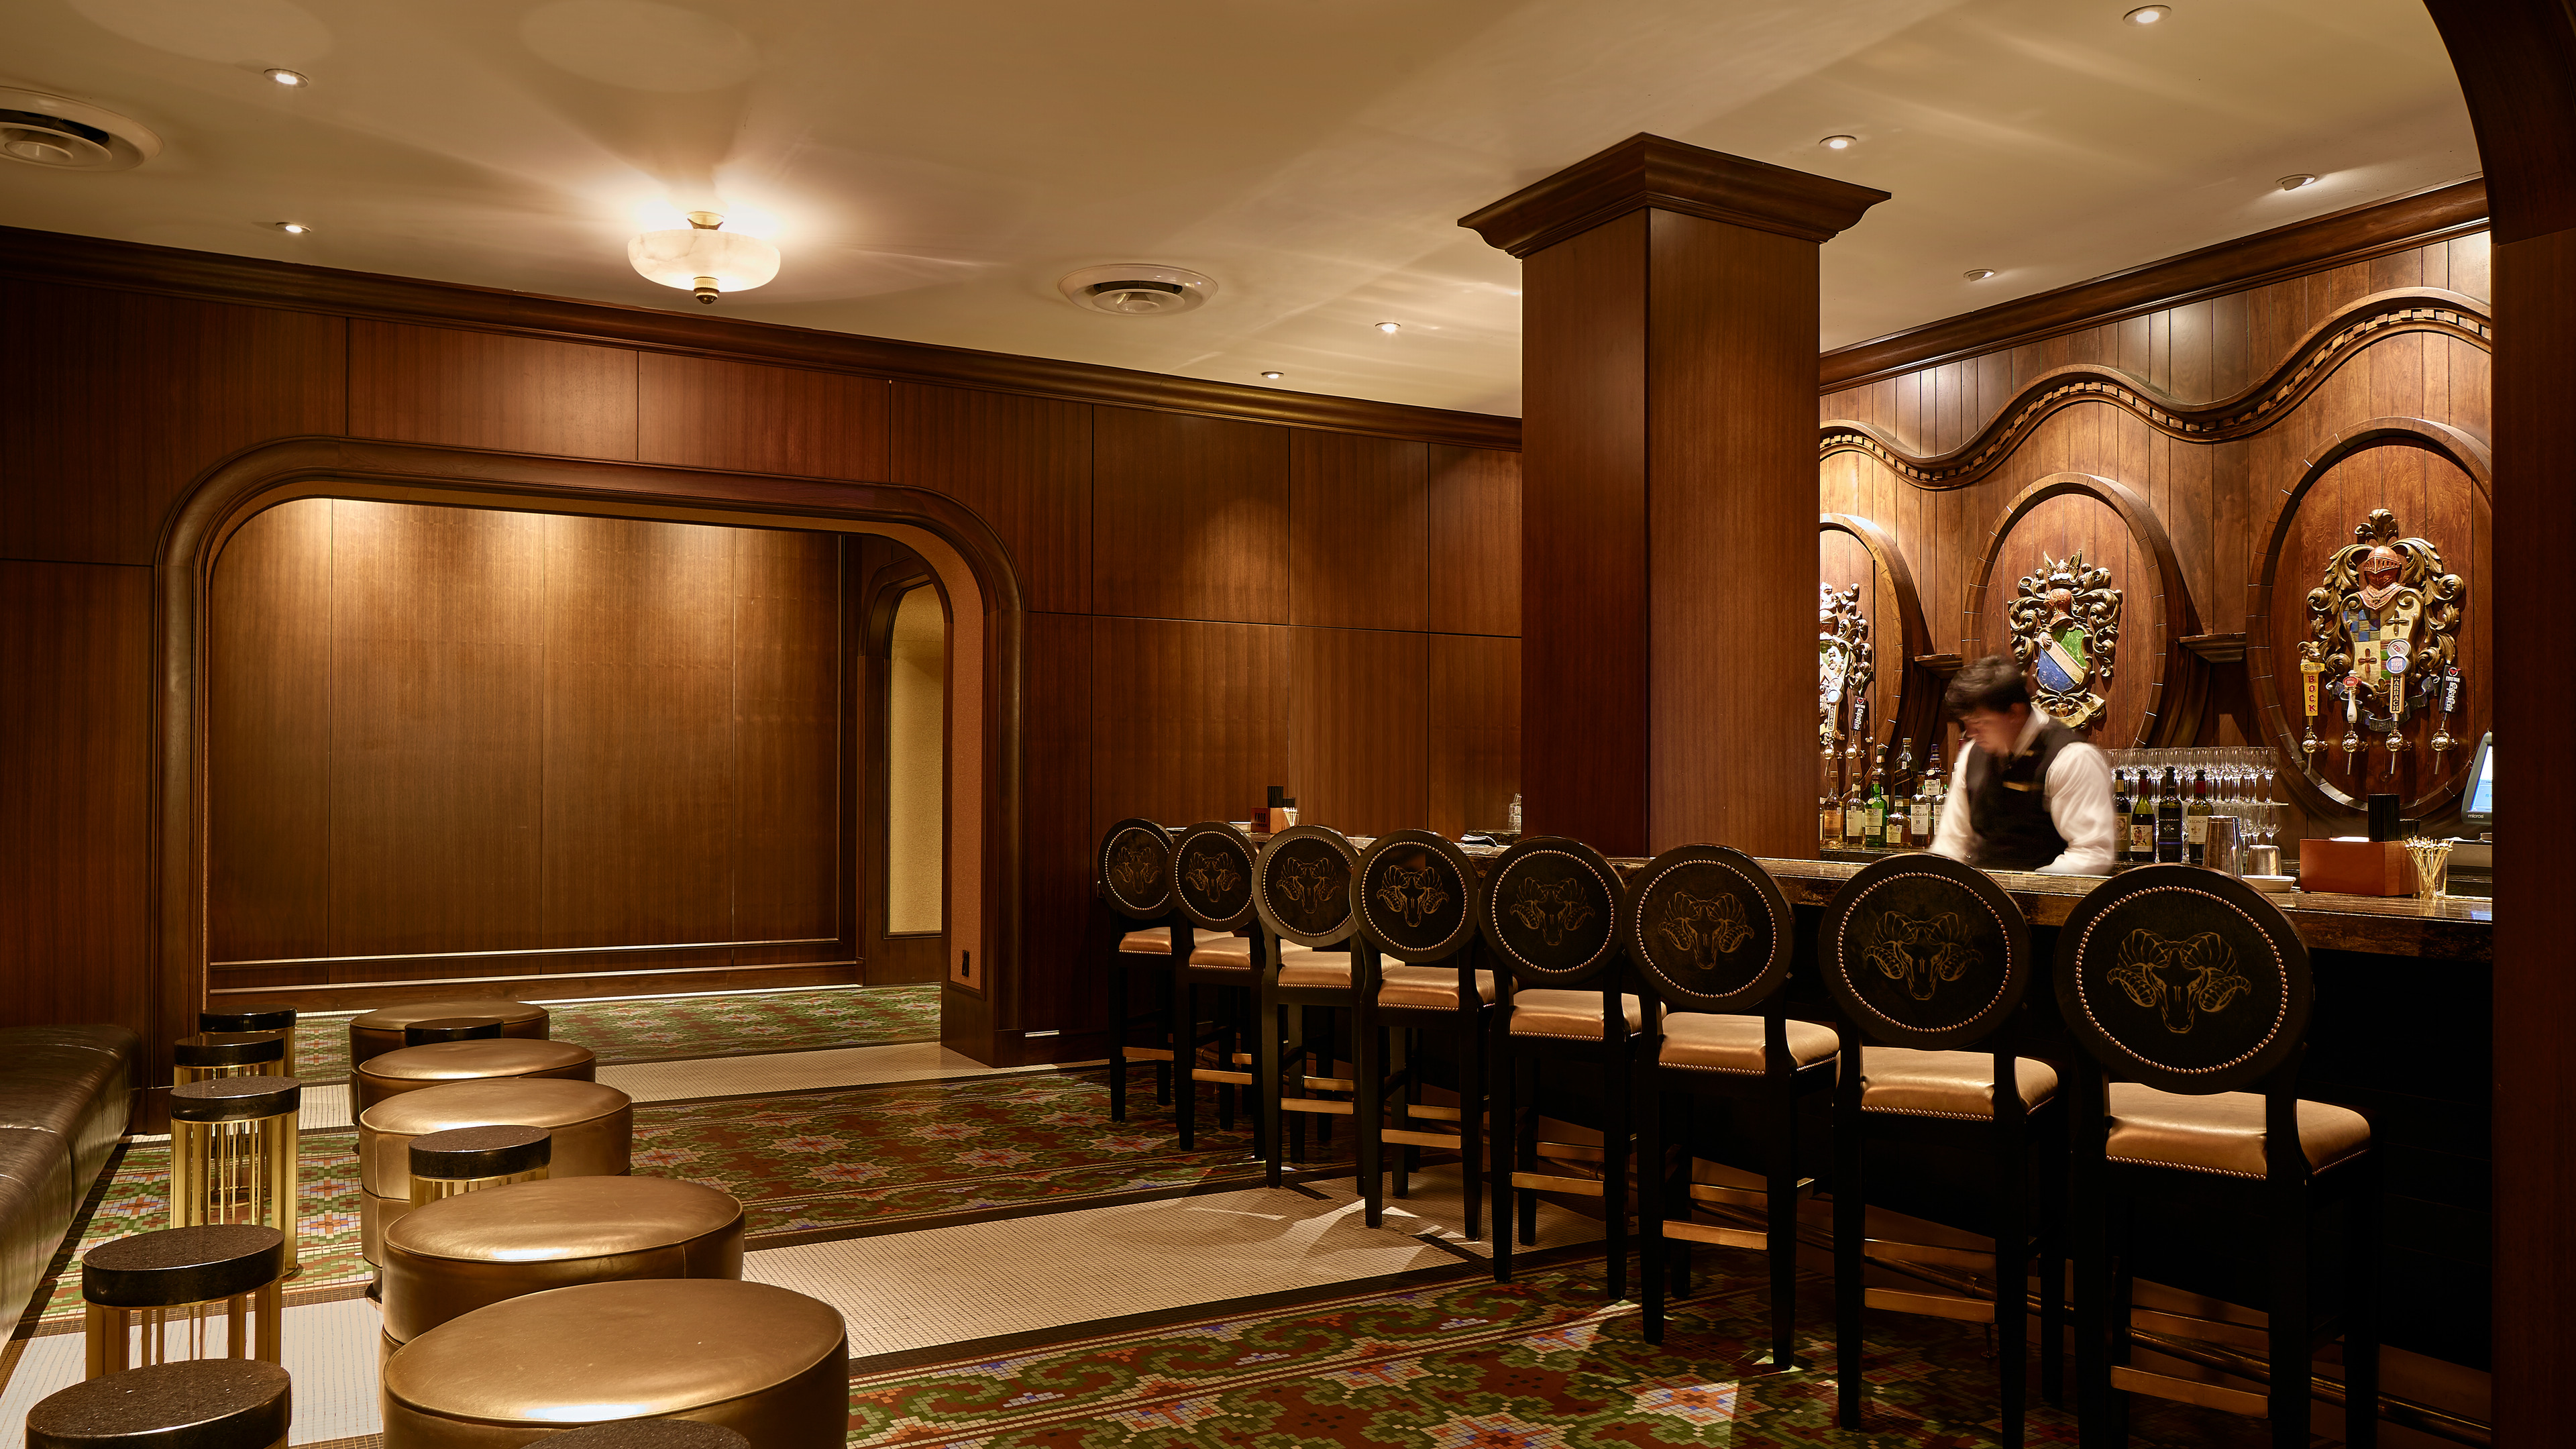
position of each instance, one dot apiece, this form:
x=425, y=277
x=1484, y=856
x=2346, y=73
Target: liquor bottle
x=2120, y=815
x=1876, y=837
x=2195, y=821
x=1855, y=813
x=1927, y=796
x=2141, y=824
x=2169, y=821
x=1904, y=769
x=1936, y=786
x=1829, y=810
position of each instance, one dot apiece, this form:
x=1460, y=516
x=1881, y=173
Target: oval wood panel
x=2157, y=688
x=2435, y=479
x=1853, y=552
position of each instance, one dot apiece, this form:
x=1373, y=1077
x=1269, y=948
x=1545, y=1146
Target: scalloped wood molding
x=2326, y=346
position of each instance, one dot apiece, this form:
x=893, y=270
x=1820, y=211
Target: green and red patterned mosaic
x=671, y=1028
x=867, y=1157
x=1539, y=1363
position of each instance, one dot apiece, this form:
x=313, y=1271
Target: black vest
x=2008, y=807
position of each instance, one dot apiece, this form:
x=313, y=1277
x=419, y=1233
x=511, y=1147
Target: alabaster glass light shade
x=678, y=258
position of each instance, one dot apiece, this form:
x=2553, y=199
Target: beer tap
x=2351, y=719
x=2309, y=744
x=2450, y=700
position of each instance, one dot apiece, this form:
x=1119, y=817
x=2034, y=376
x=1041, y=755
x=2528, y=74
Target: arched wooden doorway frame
x=969, y=564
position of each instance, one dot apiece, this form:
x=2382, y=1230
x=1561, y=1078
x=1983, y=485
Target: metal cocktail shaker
x=2223, y=851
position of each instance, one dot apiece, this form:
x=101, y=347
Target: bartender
x=2027, y=794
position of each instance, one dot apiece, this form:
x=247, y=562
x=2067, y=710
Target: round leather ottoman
x=448, y=1258
x=593, y=1127
x=766, y=1363
x=381, y=1031
x=411, y=1069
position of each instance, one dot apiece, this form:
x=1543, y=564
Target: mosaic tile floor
x=659, y=1029
x=1539, y=1363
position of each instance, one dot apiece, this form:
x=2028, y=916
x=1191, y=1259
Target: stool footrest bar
x=1545, y=1182
x=1937, y=1305
x=1401, y=1137
x=1230, y=1079
x=1722, y=1237
x=2189, y=1391
x=1888, y=1250
x=1316, y=1105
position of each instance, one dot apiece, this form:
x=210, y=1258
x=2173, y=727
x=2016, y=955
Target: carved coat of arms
x=2382, y=628
x=1845, y=667
x=2066, y=629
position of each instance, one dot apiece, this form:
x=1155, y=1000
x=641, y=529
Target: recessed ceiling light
x=1274, y=376
x=1978, y=274
x=2147, y=14
x=292, y=228
x=1838, y=143
x=1389, y=326
x=289, y=77
x=2293, y=183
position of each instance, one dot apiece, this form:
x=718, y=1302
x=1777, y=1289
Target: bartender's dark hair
x=1993, y=682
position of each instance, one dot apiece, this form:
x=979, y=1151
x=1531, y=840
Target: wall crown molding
x=1650, y=171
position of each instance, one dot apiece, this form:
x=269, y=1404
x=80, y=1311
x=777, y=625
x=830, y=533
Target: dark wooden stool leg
x=1525, y=1146
x=1399, y=1061
x=1851, y=1223
x=1780, y=1210
x=2361, y=1310
x=1507, y=1152
x=1118, y=1015
x=1654, y=1196
x=1185, y=1056
x=1615, y=1148
x=2290, y=1312
x=1471, y=1122
x=1368, y=1112
x=2012, y=1258
x=1268, y=1079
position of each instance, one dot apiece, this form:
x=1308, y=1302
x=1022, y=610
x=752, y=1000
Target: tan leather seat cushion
x=1432, y=988
x=2222, y=1133
x=1575, y=1014
x=1944, y=1084
x=1715, y=1043
x=1229, y=952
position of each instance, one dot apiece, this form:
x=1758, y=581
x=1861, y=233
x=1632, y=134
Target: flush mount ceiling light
x=292, y=228
x=2147, y=14
x=67, y=135
x=702, y=260
x=1137, y=289
x=1274, y=376
x=288, y=78
x=1390, y=327
x=2293, y=183
x=1978, y=274
x=1839, y=143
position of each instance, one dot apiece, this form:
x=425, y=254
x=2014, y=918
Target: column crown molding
x=1650, y=171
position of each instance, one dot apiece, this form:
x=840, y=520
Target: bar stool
x=137, y=1288
x=233, y=1154
x=466, y=1253
x=1132, y=882
x=1712, y=939
x=592, y=1128
x=381, y=1030
x=1929, y=962
x=210, y=1403
x=411, y=1069
x=451, y=1028
x=211, y=1054
x=258, y=1018
x=649, y=1434
x=597, y=1352
x=1301, y=890
x=1414, y=902
x=476, y=1159
x=1212, y=898
x=1551, y=923
x=2190, y=992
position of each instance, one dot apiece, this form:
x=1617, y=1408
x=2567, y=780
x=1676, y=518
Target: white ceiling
x=930, y=168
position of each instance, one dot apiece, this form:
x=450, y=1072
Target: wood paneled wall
x=438, y=735
x=1218, y=604
x=2214, y=498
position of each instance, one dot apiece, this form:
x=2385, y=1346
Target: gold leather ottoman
x=766, y=1363
x=410, y=1069
x=593, y=1127
x=445, y=1259
x=381, y=1031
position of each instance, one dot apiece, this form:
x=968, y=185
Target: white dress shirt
x=2078, y=791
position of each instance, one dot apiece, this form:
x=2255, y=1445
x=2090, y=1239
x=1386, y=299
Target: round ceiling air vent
x=1137, y=289
x=69, y=135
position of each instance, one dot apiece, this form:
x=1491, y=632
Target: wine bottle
x=1936, y=793
x=2141, y=824
x=2169, y=820
x=1855, y=813
x=2120, y=813
x=2195, y=821
x=1877, y=836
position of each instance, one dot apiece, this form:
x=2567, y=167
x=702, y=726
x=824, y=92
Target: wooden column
x=1669, y=494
